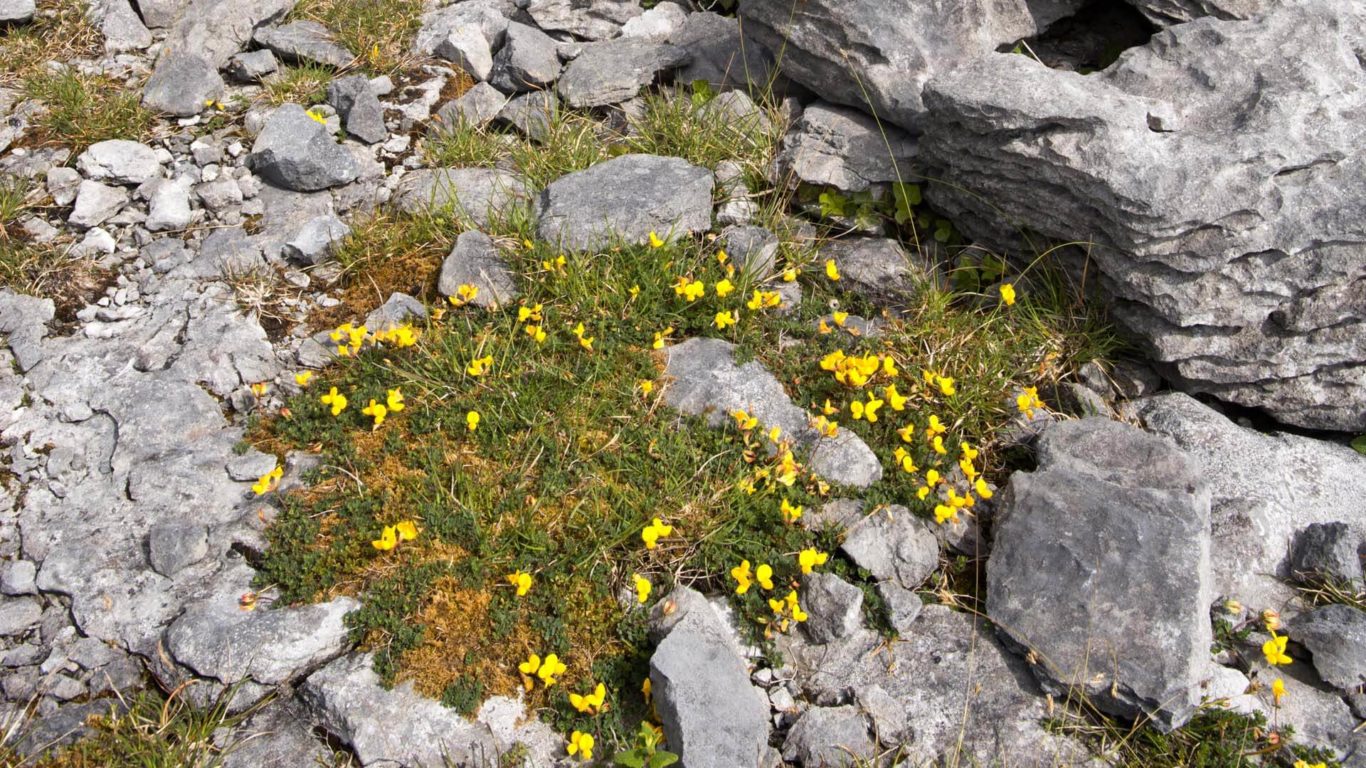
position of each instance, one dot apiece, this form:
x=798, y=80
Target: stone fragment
x=527, y=61
x=753, y=249
x=220, y=194
x=173, y=546
x=1108, y=508
x=712, y=716
x=279, y=735
x=1165, y=13
x=1335, y=635
x=169, y=204
x=615, y=71
x=62, y=184
x=483, y=195
x=588, y=19
x=474, y=260
x=361, y=113
x=656, y=23
x=1327, y=552
x=720, y=55
x=625, y=198
x=252, y=66
x=119, y=161
x=17, y=577
x=468, y=48
x=845, y=149
x=304, y=42
x=23, y=321
x=122, y=29
x=706, y=381
x=476, y=108
x=316, y=240
x=490, y=17
x=900, y=551
x=400, y=308
x=16, y=11
x=532, y=114
x=96, y=202
x=18, y=615
x=834, y=605
x=181, y=84
x=296, y=152
x=877, y=269
x=159, y=14
x=829, y=737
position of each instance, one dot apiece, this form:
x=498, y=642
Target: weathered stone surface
x=1228, y=241
x=900, y=551
x=181, y=84
x=1167, y=12
x=468, y=48
x=490, y=17
x=627, y=197
x=398, y=309
x=96, y=202
x=753, y=249
x=527, y=61
x=216, y=30
x=477, y=107
x=23, y=320
x=656, y=23
x=616, y=70
x=588, y=19
x=316, y=239
x=712, y=715
x=252, y=66
x=827, y=737
x=873, y=267
x=168, y=204
x=706, y=381
x=279, y=735
x=1336, y=636
x=834, y=605
x=359, y=107
x=119, y=161
x=1101, y=566
x=947, y=689
x=843, y=148
x=1327, y=552
x=482, y=194
x=18, y=615
x=304, y=42
x=18, y=577
x=16, y=11
x=173, y=546
x=474, y=260
x=159, y=14
x=720, y=55
x=296, y=152
x=119, y=23
x=844, y=49
x=1274, y=484
x=531, y=114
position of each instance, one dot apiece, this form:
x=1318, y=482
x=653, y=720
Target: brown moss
x=456, y=644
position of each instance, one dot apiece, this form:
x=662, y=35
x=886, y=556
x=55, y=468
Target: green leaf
x=632, y=759
x=832, y=204
x=943, y=230
x=662, y=758
x=702, y=92
x=1359, y=444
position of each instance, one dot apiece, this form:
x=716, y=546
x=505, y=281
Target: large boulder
x=616, y=70
x=588, y=19
x=866, y=54
x=1101, y=570
x=844, y=148
x=1336, y=637
x=302, y=42
x=481, y=194
x=1165, y=13
x=627, y=197
x=296, y=152
x=1231, y=241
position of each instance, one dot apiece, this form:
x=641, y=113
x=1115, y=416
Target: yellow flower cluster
x=267, y=481
x=547, y=671
x=857, y=370
x=389, y=538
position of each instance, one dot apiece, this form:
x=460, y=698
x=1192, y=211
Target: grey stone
x=483, y=195
x=738, y=110
x=159, y=14
x=834, y=605
x=169, y=204
x=360, y=110
x=532, y=114
x=490, y=17
x=474, y=260
x=468, y=48
x=217, y=30
x=250, y=466
x=220, y=194
x=712, y=715
x=96, y=202
x=736, y=208
x=826, y=737
x=1239, y=273
x=1165, y=13
x=65, y=725
x=173, y=546
x=875, y=268
x=588, y=19
x=16, y=11
x=62, y=184
x=948, y=683
x=295, y=152
x=477, y=107
x=527, y=61
x=656, y=23
x=615, y=71
x=1316, y=711
x=400, y=308
x=627, y=198
x=230, y=251
x=316, y=240
x=119, y=161
x=17, y=577
x=1081, y=401
x=855, y=52
x=721, y=55
x=845, y=149
x=281, y=734
x=302, y=42
x=18, y=615
x=708, y=382
x=1275, y=484
x=1336, y=637
x=23, y=320
x=1327, y=552
x=181, y=84
x=900, y=551
x=753, y=249
x=119, y=23
x=1110, y=507
x=252, y=66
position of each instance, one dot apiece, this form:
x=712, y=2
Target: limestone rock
x=119, y=23
x=181, y=84
x=359, y=107
x=119, y=161
x=720, y=55
x=627, y=198
x=835, y=607
x=481, y=194
x=173, y=546
x=900, y=551
x=877, y=269
x=398, y=309
x=476, y=108
x=252, y=66
x=1164, y=13
x=615, y=71
x=531, y=114
x=474, y=260
x=706, y=381
x=1336, y=636
x=1109, y=508
x=588, y=19
x=296, y=152
x=168, y=205
x=753, y=249
x=656, y=23
x=159, y=14
x=302, y=42
x=1327, y=552
x=843, y=148
x=316, y=240
x=829, y=737
x=95, y=203
x=16, y=11
x=527, y=61
x=490, y=17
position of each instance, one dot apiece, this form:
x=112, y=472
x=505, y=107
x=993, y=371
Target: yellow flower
x=317, y=118
x=938, y=443
x=536, y=332
x=741, y=574
x=479, y=365
x=692, y=290
x=932, y=477
x=810, y=558
x=655, y=242
x=581, y=743
x=906, y=433
x=775, y=434
x=828, y=409
x=943, y=514
x=983, y=490
x=378, y=411
x=764, y=576
x=655, y=531
x=387, y=540
x=831, y=271
x=1272, y=619
x=797, y=613
x=744, y=421
x=336, y=400
x=1028, y=401
x=406, y=530
x=895, y=398
x=661, y=337
x=525, y=313
x=1274, y=649
x=791, y=514
x=969, y=469
x=437, y=313
x=401, y=336
x=303, y=377
x=584, y=341
x=521, y=580
x=826, y=427
x=866, y=411
x=634, y=291
x=722, y=257
x=589, y=703
x=889, y=367
x=904, y=460
x=530, y=666
x=394, y=400
x=472, y=420
x=945, y=384
x=646, y=688
x=724, y=320
x=725, y=287
x=551, y=668
x=935, y=428
x=555, y=265
x=1277, y=690
x=789, y=274
x=267, y=481
x=1008, y=294
x=643, y=587
x=645, y=386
